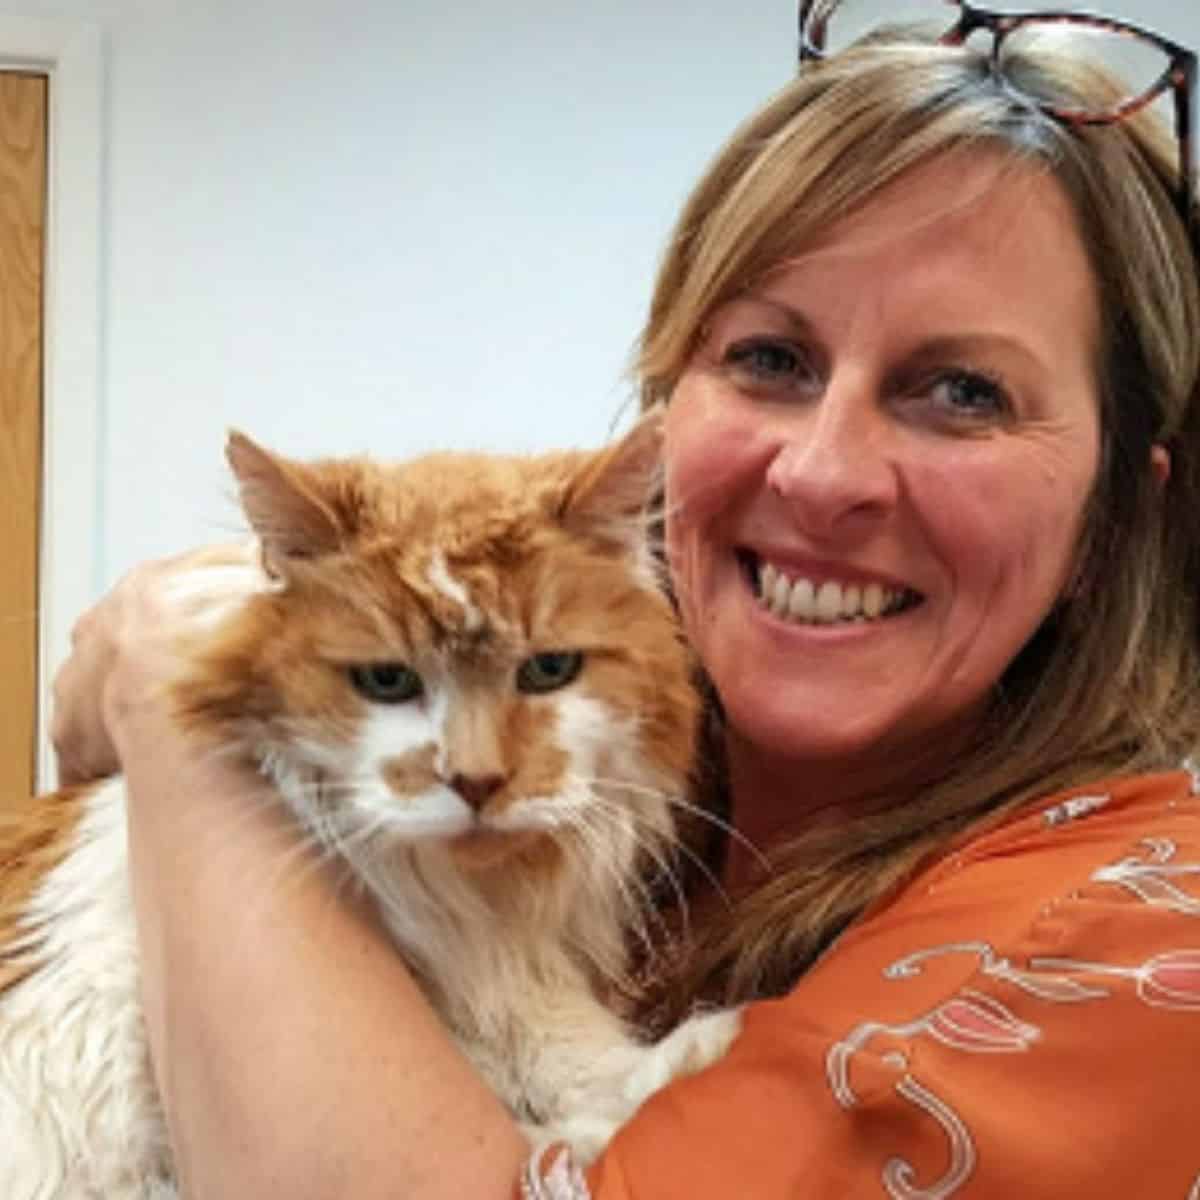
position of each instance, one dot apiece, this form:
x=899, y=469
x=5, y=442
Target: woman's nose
x=835, y=467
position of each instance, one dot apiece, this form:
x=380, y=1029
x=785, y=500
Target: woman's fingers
x=123, y=647
x=77, y=731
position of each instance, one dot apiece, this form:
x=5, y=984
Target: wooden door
x=23, y=114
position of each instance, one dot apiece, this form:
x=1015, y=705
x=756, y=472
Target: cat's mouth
x=806, y=601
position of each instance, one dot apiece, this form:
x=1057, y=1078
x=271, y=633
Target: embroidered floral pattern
x=1154, y=877
x=970, y=1021
x=899, y=1175
x=978, y=1023
x=973, y=1021
x=958, y=1023
x=1055, y=988
x=1170, y=980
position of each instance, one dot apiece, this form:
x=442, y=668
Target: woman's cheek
x=716, y=447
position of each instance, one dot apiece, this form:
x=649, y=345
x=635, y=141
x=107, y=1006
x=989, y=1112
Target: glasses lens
x=1113, y=67
x=846, y=22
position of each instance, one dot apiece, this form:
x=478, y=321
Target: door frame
x=69, y=52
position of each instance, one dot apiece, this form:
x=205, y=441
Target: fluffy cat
x=464, y=680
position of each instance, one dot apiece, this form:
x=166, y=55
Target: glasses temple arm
x=1185, y=91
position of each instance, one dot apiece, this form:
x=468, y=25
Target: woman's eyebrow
x=935, y=349
x=793, y=315
x=975, y=342
x=948, y=345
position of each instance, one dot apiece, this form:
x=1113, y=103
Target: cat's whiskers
x=583, y=849
x=588, y=822
x=338, y=831
x=357, y=838
x=349, y=841
x=654, y=848
x=590, y=840
x=680, y=847
x=662, y=795
x=648, y=835
x=677, y=801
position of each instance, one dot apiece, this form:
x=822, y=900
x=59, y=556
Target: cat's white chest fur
x=79, y=1115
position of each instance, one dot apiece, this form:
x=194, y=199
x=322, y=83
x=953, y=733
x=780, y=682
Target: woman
x=929, y=357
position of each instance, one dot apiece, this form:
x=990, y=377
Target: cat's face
x=474, y=651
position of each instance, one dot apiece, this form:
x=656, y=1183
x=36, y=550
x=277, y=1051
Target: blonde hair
x=1108, y=684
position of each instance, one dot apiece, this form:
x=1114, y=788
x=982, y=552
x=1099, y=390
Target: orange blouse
x=1021, y=1020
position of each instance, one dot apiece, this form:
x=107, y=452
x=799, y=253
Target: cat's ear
x=609, y=495
x=287, y=513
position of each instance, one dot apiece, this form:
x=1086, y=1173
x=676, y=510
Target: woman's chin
x=821, y=729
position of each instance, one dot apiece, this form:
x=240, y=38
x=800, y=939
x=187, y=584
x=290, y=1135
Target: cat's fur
x=501, y=818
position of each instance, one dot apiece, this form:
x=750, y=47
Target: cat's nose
x=477, y=790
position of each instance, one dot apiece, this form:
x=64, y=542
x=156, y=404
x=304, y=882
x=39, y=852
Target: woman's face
x=877, y=465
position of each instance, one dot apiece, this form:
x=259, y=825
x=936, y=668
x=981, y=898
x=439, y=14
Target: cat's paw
x=690, y=1047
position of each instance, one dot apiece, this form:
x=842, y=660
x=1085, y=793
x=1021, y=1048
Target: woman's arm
x=295, y=1055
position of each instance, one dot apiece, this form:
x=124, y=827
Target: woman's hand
x=123, y=649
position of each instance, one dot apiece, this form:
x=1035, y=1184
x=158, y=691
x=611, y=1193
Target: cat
x=464, y=679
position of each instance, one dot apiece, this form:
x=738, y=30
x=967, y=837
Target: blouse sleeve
x=1024, y=1020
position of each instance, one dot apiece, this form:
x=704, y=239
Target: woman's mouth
x=824, y=601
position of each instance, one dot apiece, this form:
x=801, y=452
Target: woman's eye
x=386, y=682
x=548, y=671
x=769, y=364
x=970, y=395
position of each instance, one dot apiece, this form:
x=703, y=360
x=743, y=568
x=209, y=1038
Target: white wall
x=385, y=224
x=391, y=224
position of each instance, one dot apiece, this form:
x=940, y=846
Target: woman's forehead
x=961, y=236
x=950, y=196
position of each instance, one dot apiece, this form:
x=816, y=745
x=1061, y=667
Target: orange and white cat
x=462, y=676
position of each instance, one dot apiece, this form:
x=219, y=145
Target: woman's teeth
x=829, y=602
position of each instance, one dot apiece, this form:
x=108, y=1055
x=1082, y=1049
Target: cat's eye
x=549, y=670
x=386, y=682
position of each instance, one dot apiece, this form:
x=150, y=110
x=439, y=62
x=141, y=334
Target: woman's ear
x=1160, y=463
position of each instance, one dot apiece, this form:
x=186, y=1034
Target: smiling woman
x=909, y=409
x=927, y=339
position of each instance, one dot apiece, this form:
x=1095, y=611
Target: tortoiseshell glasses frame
x=1179, y=74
